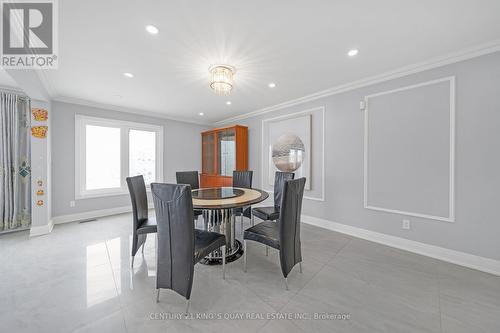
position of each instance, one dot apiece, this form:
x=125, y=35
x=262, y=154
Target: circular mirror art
x=288, y=152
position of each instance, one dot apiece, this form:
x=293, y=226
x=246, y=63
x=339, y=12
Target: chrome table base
x=223, y=222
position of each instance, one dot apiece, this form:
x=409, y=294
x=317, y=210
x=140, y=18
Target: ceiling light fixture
x=221, y=79
x=228, y=103
x=201, y=114
x=129, y=75
x=272, y=85
x=352, y=52
x=152, y=29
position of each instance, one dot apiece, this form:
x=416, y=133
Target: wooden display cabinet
x=223, y=150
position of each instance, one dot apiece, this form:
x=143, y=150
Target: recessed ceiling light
x=129, y=75
x=352, y=52
x=201, y=114
x=272, y=85
x=152, y=29
x=228, y=103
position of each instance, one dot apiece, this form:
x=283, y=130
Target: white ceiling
x=300, y=45
x=6, y=80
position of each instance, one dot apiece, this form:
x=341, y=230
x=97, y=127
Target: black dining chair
x=142, y=223
x=283, y=235
x=179, y=245
x=272, y=213
x=243, y=179
x=189, y=178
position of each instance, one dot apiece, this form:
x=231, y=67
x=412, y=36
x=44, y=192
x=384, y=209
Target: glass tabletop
x=217, y=193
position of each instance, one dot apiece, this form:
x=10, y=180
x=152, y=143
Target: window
x=102, y=148
x=108, y=151
x=142, y=154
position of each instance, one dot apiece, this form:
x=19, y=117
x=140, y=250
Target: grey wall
x=182, y=151
x=408, y=153
x=477, y=226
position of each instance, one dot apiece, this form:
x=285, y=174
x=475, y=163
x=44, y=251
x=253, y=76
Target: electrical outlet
x=406, y=224
x=72, y=203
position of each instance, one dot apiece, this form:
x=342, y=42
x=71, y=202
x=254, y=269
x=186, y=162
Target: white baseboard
x=93, y=214
x=456, y=257
x=42, y=229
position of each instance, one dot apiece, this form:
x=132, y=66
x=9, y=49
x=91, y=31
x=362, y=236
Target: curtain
x=15, y=166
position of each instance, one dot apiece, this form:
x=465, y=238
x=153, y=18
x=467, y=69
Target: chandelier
x=221, y=79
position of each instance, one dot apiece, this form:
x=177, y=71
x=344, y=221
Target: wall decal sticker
x=25, y=170
x=39, y=131
x=40, y=114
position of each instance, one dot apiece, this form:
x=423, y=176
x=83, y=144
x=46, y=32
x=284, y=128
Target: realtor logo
x=29, y=34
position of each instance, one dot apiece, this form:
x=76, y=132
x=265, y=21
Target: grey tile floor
x=77, y=279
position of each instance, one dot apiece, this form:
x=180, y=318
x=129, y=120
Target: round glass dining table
x=218, y=205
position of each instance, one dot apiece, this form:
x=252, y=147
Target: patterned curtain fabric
x=15, y=166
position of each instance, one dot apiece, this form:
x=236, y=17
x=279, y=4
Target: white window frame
x=81, y=121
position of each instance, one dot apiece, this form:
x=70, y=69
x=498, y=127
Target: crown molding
x=111, y=107
x=451, y=58
x=41, y=74
x=13, y=90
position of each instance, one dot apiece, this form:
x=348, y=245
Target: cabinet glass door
x=208, y=160
x=226, y=148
